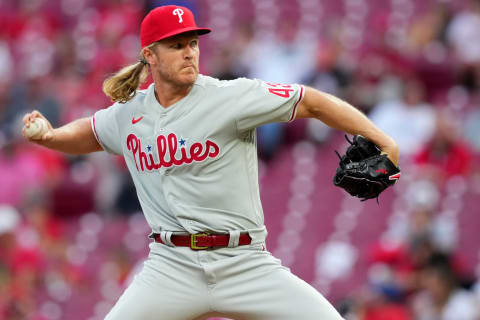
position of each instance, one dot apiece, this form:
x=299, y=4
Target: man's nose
x=188, y=53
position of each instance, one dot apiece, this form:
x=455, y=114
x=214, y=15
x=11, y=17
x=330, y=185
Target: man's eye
x=177, y=46
x=194, y=44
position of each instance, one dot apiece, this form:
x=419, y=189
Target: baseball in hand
x=37, y=129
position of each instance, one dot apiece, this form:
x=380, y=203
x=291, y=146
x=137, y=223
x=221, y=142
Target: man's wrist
x=392, y=154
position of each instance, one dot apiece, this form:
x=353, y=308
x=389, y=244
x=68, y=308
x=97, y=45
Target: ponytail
x=123, y=85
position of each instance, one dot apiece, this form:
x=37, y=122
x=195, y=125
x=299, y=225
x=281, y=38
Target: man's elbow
x=308, y=107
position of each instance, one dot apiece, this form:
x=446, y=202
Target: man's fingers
x=36, y=114
x=27, y=120
x=26, y=117
x=33, y=115
x=30, y=117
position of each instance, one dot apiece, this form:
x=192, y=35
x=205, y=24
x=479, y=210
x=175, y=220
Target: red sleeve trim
x=302, y=91
x=95, y=131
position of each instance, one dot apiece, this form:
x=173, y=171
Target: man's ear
x=149, y=55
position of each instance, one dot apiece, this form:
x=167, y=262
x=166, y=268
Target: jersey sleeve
x=263, y=102
x=105, y=127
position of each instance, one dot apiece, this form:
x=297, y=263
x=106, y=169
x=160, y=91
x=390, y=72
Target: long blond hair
x=122, y=86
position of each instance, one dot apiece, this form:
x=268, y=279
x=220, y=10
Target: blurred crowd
x=412, y=66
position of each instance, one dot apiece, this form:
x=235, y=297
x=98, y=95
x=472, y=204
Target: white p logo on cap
x=178, y=12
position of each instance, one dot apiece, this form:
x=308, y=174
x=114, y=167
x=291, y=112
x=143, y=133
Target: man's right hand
x=76, y=137
x=28, y=119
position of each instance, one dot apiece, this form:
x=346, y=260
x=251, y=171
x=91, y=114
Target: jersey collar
x=150, y=99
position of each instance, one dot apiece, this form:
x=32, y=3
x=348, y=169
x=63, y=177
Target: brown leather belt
x=202, y=241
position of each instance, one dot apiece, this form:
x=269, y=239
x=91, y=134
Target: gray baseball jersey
x=194, y=164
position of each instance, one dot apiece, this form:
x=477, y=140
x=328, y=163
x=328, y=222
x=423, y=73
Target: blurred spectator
x=430, y=28
x=328, y=75
x=445, y=155
x=433, y=59
x=267, y=59
x=441, y=297
x=425, y=227
x=387, y=297
x=382, y=299
x=464, y=31
x=463, y=34
x=410, y=120
x=225, y=65
x=383, y=309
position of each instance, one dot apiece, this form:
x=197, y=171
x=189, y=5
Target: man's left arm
x=340, y=115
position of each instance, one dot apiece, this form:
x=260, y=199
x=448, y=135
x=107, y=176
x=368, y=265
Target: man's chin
x=188, y=78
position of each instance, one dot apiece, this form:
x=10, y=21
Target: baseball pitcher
x=190, y=145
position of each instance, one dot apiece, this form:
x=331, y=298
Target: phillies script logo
x=167, y=147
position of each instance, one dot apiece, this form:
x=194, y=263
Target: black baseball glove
x=363, y=171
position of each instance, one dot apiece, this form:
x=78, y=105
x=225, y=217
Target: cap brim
x=200, y=31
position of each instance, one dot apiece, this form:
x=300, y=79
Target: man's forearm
x=338, y=114
x=75, y=137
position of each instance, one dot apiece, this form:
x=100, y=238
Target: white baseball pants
x=245, y=282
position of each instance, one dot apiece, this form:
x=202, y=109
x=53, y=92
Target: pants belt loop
x=166, y=237
x=234, y=238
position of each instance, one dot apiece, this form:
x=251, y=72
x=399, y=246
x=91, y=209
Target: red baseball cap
x=166, y=21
